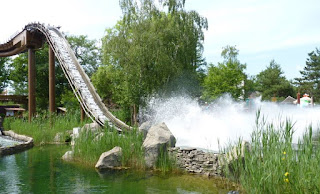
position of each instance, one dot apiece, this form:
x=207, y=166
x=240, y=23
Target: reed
x=90, y=145
x=44, y=127
x=273, y=164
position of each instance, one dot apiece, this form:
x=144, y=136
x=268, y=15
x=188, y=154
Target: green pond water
x=41, y=170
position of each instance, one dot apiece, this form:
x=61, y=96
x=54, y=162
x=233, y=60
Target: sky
x=285, y=30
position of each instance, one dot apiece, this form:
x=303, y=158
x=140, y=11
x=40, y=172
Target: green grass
x=44, y=127
x=166, y=163
x=271, y=165
x=90, y=145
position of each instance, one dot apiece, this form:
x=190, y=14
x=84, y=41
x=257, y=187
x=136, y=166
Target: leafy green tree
x=4, y=74
x=272, y=83
x=149, y=49
x=226, y=77
x=310, y=75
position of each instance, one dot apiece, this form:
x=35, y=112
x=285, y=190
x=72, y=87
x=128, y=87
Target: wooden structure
x=31, y=38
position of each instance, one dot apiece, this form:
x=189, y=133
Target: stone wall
x=27, y=142
x=196, y=161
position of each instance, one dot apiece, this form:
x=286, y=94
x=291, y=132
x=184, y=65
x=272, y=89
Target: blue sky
x=285, y=31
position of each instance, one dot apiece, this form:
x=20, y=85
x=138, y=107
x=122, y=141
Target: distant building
x=289, y=100
x=14, y=112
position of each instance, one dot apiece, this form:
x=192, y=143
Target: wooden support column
x=52, y=99
x=31, y=83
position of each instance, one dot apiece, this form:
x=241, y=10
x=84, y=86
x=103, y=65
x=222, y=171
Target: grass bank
x=44, y=127
x=90, y=145
x=273, y=165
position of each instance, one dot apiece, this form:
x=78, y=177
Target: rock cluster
x=196, y=161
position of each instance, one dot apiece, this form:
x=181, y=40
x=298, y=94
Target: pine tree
x=310, y=75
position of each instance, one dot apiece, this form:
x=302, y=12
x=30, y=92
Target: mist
x=223, y=121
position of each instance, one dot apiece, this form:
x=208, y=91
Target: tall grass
x=90, y=145
x=273, y=164
x=166, y=162
x=44, y=127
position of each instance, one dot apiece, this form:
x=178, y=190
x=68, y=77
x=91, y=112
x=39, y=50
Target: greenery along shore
x=90, y=144
x=271, y=164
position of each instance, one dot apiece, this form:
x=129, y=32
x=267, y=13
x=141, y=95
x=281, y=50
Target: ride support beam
x=31, y=83
x=52, y=98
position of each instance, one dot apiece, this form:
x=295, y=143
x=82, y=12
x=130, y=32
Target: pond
x=41, y=170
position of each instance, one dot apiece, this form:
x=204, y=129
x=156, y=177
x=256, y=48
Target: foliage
x=4, y=72
x=310, y=80
x=166, y=162
x=19, y=77
x=90, y=145
x=86, y=51
x=226, y=77
x=43, y=128
x=273, y=165
x=272, y=83
x=148, y=49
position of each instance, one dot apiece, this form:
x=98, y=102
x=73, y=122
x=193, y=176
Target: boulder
x=93, y=127
x=144, y=128
x=58, y=138
x=68, y=156
x=159, y=138
x=110, y=159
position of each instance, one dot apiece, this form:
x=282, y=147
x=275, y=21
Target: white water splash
x=224, y=120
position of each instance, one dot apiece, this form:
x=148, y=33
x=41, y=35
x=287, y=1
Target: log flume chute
x=77, y=78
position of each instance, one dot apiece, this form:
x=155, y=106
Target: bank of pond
x=268, y=163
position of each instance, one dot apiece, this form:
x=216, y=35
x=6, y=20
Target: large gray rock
x=144, y=128
x=94, y=127
x=68, y=156
x=159, y=138
x=110, y=159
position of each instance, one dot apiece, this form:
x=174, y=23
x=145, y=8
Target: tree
x=4, y=72
x=272, y=83
x=310, y=80
x=226, y=77
x=149, y=49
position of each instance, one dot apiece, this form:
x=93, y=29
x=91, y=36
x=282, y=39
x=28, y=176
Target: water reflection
x=9, y=176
